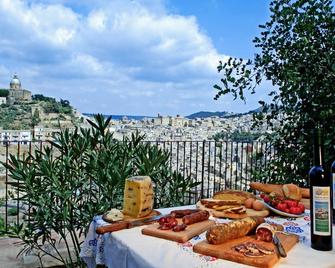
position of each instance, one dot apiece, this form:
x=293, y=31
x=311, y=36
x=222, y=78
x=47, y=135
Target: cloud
x=130, y=57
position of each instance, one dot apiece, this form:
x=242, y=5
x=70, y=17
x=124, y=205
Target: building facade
x=3, y=100
x=16, y=93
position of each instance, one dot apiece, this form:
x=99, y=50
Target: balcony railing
x=215, y=165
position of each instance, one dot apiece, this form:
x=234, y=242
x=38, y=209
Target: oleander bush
x=81, y=174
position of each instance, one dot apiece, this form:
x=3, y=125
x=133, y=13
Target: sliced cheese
x=138, y=196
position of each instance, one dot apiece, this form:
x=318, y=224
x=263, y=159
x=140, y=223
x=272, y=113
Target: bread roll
x=221, y=233
x=268, y=188
x=292, y=191
x=304, y=192
x=233, y=195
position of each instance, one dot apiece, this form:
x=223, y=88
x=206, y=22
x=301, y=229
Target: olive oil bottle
x=320, y=198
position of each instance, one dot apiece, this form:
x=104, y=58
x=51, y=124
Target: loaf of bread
x=292, y=191
x=212, y=203
x=235, y=196
x=223, y=232
x=268, y=188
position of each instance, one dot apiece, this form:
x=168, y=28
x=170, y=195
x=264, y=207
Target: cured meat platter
x=228, y=252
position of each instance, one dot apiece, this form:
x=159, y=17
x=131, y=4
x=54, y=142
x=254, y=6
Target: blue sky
x=136, y=57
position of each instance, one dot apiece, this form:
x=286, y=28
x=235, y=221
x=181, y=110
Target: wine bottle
x=333, y=181
x=320, y=199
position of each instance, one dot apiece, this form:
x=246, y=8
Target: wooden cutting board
x=225, y=251
x=181, y=237
x=130, y=218
x=115, y=226
x=222, y=214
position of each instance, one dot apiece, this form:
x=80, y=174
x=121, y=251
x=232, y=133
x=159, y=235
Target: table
x=129, y=248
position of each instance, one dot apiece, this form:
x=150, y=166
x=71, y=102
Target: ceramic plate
x=282, y=213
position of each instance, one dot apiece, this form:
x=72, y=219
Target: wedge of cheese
x=138, y=196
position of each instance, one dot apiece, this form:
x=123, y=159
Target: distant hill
x=205, y=114
x=42, y=111
x=120, y=117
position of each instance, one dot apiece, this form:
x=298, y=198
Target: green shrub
x=84, y=175
x=12, y=211
x=2, y=225
x=4, y=93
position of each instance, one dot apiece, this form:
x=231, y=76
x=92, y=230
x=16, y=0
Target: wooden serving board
x=225, y=251
x=222, y=214
x=181, y=237
x=129, y=218
x=114, y=226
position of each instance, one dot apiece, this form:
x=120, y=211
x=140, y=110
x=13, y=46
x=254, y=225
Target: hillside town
x=160, y=128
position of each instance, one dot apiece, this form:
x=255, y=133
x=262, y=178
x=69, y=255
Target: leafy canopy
x=297, y=54
x=4, y=93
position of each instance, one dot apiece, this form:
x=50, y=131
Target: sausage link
x=196, y=217
x=183, y=212
x=179, y=227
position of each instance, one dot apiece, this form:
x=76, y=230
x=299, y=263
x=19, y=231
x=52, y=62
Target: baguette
x=221, y=233
x=268, y=188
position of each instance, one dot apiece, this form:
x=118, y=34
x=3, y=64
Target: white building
x=3, y=100
x=15, y=135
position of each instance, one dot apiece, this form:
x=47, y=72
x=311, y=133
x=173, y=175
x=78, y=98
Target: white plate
x=282, y=213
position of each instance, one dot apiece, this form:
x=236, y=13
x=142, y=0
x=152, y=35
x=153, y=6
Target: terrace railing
x=215, y=165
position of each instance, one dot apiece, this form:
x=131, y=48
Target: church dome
x=15, y=83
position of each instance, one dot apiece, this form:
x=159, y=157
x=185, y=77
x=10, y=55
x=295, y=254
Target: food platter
x=282, y=213
x=129, y=218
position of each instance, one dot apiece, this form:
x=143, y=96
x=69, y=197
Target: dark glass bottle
x=320, y=192
x=333, y=182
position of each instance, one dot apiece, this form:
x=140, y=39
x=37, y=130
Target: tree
x=40, y=97
x=4, y=93
x=297, y=53
x=35, y=120
x=64, y=103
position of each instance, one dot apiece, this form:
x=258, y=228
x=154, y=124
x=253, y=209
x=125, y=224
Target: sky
x=132, y=57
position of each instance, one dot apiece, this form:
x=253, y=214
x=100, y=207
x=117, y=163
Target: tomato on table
x=291, y=203
x=282, y=206
x=295, y=210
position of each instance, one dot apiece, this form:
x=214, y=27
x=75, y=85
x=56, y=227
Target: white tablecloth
x=129, y=248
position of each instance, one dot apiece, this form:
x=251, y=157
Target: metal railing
x=215, y=165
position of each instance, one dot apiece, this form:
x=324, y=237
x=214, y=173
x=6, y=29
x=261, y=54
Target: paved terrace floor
x=10, y=247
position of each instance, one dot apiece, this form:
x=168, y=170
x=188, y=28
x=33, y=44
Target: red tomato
x=282, y=206
x=291, y=203
x=262, y=195
x=287, y=210
x=295, y=210
x=266, y=199
x=301, y=207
